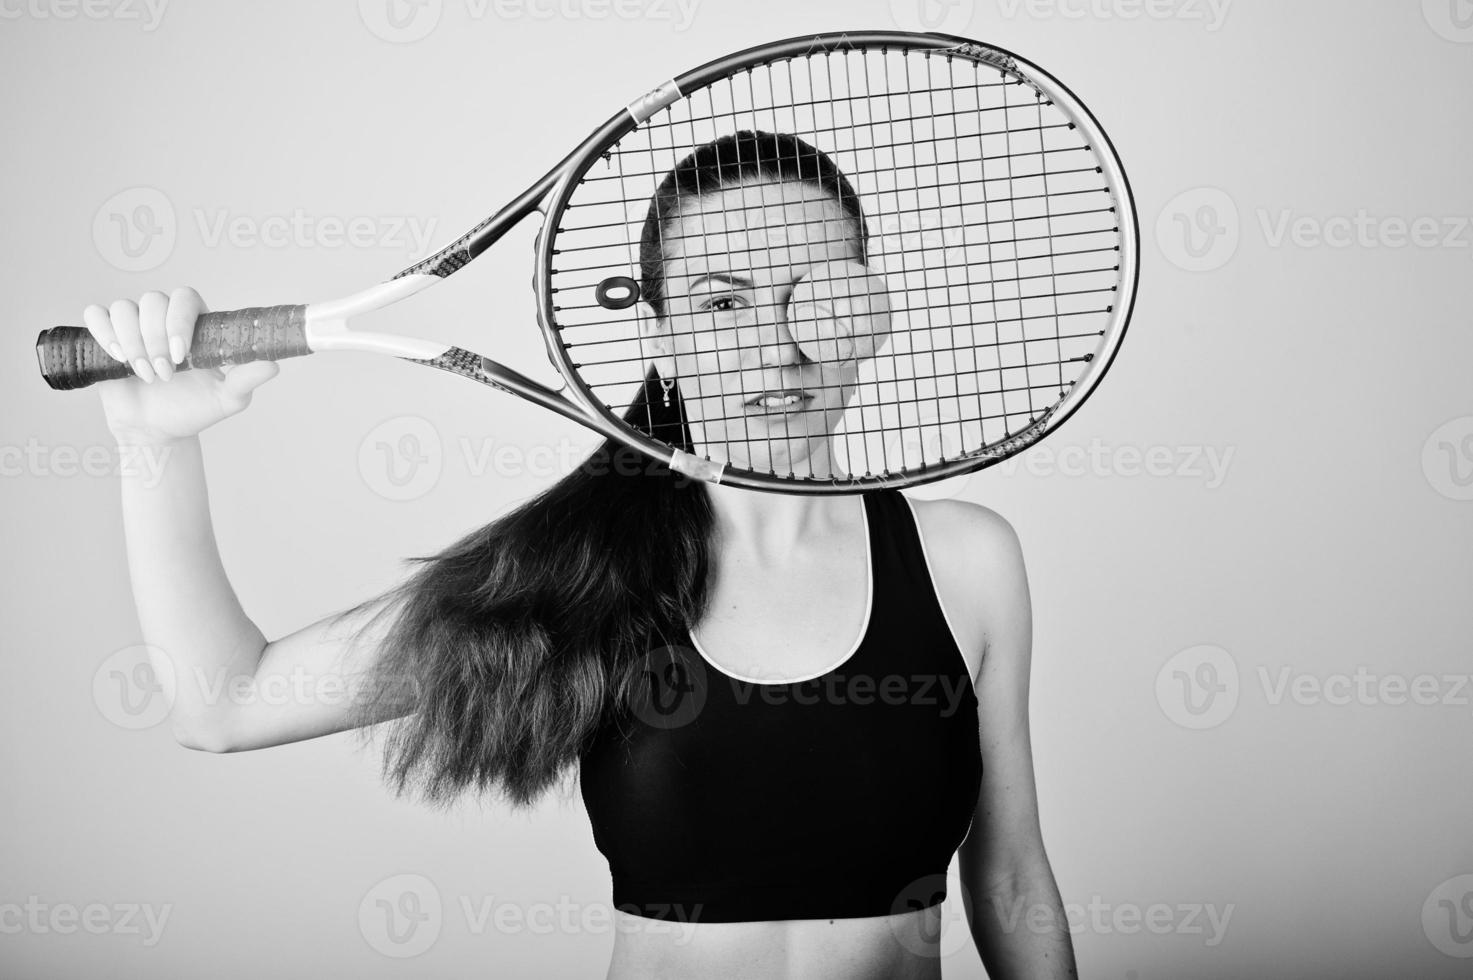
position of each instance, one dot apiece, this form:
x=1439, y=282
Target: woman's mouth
x=779, y=402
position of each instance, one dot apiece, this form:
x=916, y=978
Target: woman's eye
x=722, y=304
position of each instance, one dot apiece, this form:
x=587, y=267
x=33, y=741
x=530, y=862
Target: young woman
x=787, y=712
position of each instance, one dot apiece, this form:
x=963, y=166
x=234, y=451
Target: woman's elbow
x=202, y=738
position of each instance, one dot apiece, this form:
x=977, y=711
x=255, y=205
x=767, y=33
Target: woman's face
x=732, y=258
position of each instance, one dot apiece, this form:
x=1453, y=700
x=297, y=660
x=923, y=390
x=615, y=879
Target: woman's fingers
x=152, y=335
x=124, y=316
x=98, y=323
x=185, y=306
x=152, y=306
x=242, y=379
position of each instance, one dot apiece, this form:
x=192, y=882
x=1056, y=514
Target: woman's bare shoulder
x=977, y=567
x=972, y=532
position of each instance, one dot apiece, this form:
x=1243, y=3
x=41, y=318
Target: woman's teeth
x=778, y=401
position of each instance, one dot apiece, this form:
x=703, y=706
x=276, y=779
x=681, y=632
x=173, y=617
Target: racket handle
x=71, y=358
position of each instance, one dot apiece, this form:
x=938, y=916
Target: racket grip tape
x=71, y=358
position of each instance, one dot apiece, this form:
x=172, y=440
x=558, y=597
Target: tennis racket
x=844, y=261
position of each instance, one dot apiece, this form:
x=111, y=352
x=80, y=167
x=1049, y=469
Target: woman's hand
x=159, y=404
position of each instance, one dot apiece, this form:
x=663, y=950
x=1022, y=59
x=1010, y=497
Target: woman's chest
x=772, y=623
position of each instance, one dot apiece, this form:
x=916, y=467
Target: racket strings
x=988, y=221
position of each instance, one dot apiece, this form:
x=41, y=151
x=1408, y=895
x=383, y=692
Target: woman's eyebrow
x=726, y=277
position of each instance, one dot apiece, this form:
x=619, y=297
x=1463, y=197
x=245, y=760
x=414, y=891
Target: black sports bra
x=842, y=795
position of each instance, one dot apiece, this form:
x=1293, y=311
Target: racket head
x=994, y=208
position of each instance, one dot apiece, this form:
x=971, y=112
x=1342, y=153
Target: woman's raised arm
x=232, y=689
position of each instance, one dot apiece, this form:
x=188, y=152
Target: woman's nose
x=776, y=346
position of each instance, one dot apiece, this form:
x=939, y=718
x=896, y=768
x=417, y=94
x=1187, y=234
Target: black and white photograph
x=737, y=489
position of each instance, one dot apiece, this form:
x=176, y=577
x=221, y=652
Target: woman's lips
x=780, y=401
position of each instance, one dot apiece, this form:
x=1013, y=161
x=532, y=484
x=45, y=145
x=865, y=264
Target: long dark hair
x=510, y=648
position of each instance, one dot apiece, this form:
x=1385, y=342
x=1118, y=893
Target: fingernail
x=116, y=350
x=176, y=349
x=141, y=368
x=163, y=367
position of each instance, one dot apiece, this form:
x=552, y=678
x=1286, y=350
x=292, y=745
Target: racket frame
x=576, y=166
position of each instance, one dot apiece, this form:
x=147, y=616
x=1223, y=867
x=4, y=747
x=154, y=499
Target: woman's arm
x=1008, y=889
x=231, y=688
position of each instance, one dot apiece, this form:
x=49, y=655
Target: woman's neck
x=767, y=527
